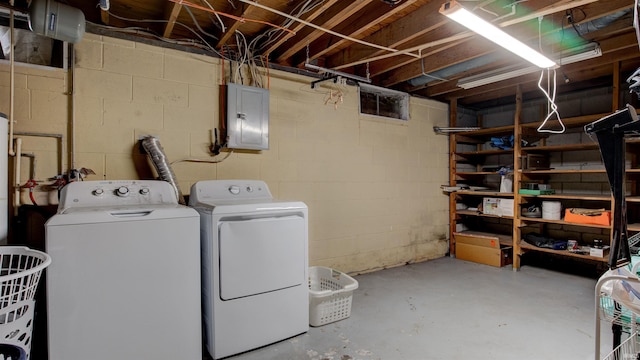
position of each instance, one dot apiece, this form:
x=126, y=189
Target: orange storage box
x=603, y=219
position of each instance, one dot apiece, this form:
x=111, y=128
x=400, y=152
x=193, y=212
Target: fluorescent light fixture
x=576, y=55
x=456, y=12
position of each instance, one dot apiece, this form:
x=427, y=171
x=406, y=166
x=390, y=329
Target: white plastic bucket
x=552, y=210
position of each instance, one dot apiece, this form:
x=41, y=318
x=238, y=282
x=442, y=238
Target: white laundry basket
x=20, y=270
x=330, y=295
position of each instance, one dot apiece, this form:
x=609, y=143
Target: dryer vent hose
x=153, y=148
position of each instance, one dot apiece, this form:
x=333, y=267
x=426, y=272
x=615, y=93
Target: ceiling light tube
x=456, y=12
x=490, y=77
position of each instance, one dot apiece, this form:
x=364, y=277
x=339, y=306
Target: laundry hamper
x=20, y=270
x=330, y=295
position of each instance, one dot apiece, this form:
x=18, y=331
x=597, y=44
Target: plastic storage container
x=20, y=270
x=330, y=295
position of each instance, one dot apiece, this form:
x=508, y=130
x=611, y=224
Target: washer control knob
x=122, y=191
x=144, y=191
x=249, y=189
x=235, y=190
x=97, y=192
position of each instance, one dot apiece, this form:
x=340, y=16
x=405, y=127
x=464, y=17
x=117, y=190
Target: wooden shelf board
x=562, y=222
x=484, y=193
x=558, y=171
x=476, y=173
x=477, y=213
x=633, y=227
x=484, y=152
x=495, y=131
x=525, y=245
x=568, y=122
x=632, y=198
x=573, y=197
x=568, y=147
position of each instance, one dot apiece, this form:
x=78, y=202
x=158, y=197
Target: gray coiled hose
x=153, y=148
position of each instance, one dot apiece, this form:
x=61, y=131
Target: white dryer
x=124, y=282
x=254, y=265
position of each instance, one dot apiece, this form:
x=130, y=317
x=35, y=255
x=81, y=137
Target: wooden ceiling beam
x=573, y=71
x=104, y=17
x=329, y=19
x=426, y=22
x=436, y=59
x=248, y=12
x=171, y=12
x=364, y=25
x=309, y=17
x=411, y=26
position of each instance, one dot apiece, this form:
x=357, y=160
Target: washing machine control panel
x=116, y=192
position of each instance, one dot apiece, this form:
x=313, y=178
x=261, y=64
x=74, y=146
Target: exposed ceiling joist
x=310, y=16
x=172, y=10
x=397, y=40
x=335, y=16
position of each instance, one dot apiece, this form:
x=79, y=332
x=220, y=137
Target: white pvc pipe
x=72, y=92
x=12, y=61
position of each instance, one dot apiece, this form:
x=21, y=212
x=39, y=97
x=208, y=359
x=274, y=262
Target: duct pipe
x=153, y=148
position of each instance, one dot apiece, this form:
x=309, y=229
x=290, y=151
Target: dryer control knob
x=235, y=190
x=122, y=191
x=144, y=191
x=249, y=189
x=97, y=192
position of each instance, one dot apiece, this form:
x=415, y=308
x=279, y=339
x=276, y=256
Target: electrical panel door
x=247, y=117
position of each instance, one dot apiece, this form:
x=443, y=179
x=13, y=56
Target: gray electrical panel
x=247, y=117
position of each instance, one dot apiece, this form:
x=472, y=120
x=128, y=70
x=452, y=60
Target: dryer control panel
x=229, y=190
x=116, y=193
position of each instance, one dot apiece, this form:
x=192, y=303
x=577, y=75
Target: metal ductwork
x=157, y=156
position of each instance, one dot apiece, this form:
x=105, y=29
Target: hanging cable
x=237, y=18
x=551, y=103
x=197, y=23
x=549, y=93
x=223, y=28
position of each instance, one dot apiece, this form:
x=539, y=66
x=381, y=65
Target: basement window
x=383, y=102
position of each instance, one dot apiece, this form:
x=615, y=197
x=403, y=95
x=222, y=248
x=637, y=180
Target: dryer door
x=261, y=255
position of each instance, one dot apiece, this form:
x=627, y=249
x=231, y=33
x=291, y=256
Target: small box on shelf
x=599, y=252
x=497, y=206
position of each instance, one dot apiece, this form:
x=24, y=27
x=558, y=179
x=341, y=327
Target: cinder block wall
x=372, y=185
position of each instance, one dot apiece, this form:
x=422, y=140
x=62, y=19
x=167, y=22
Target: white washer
x=124, y=282
x=254, y=265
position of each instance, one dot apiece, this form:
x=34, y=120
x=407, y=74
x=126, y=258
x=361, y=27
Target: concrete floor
x=452, y=309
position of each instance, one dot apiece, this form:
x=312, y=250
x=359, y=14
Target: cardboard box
x=490, y=206
x=482, y=248
x=535, y=162
x=506, y=207
x=599, y=252
x=497, y=206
